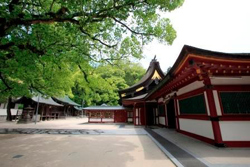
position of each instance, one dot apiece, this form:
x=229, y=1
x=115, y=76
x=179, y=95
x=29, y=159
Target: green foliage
x=45, y=44
x=103, y=83
x=20, y=106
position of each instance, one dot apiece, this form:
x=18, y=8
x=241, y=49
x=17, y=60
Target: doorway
x=171, y=114
x=150, y=115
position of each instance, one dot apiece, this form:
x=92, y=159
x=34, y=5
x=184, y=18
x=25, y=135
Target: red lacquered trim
x=237, y=143
x=235, y=118
x=204, y=139
x=198, y=117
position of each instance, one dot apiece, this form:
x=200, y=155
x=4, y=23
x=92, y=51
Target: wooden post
x=134, y=114
x=145, y=114
x=213, y=113
x=166, y=115
x=176, y=113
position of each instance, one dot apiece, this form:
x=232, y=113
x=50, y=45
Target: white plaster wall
x=95, y=119
x=199, y=127
x=244, y=80
x=130, y=119
x=235, y=130
x=190, y=87
x=3, y=112
x=217, y=102
x=13, y=111
x=162, y=120
x=178, y=107
x=137, y=121
x=16, y=106
x=107, y=120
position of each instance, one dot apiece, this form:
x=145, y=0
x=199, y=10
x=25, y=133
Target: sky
x=217, y=25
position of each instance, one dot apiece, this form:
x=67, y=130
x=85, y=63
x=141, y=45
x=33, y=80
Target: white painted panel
x=130, y=119
x=178, y=107
x=136, y=121
x=208, y=110
x=190, y=87
x=107, y=120
x=14, y=111
x=235, y=130
x=199, y=127
x=244, y=80
x=16, y=106
x=136, y=112
x=217, y=102
x=3, y=111
x=95, y=119
x=162, y=120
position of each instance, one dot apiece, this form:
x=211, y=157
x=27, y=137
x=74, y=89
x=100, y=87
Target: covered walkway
x=208, y=154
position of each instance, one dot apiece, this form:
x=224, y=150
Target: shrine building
x=107, y=114
x=205, y=95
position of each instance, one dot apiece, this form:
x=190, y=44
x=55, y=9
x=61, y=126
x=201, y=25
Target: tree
x=133, y=72
x=44, y=42
x=103, y=82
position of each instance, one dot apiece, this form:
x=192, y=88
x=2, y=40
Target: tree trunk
x=9, y=117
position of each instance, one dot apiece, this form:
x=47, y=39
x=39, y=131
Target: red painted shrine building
x=106, y=114
x=205, y=95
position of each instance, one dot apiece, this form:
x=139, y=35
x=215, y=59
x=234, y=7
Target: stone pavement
x=49, y=150
x=208, y=154
x=69, y=123
x=181, y=155
x=73, y=131
x=79, y=128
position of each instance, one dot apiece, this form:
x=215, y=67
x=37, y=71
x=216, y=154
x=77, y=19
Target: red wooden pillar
x=176, y=114
x=166, y=115
x=142, y=115
x=134, y=114
x=145, y=114
x=213, y=113
x=101, y=116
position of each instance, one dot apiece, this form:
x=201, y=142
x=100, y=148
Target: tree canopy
x=102, y=83
x=44, y=44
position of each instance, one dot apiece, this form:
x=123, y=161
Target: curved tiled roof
x=66, y=100
x=153, y=72
x=187, y=50
x=105, y=108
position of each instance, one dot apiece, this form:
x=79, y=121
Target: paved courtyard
x=75, y=142
x=40, y=150
x=69, y=123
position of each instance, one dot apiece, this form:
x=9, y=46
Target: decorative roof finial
x=155, y=57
